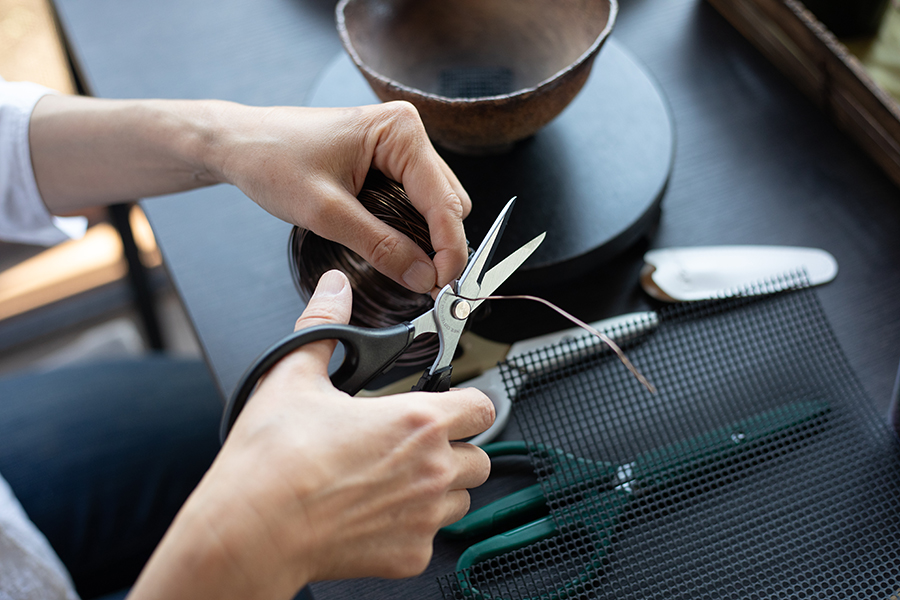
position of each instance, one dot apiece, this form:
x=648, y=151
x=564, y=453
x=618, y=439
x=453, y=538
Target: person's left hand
x=306, y=166
x=303, y=165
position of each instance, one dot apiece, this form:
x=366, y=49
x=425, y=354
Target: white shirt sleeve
x=24, y=217
x=29, y=568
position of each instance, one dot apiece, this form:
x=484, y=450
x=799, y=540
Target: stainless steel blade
x=501, y=272
x=470, y=280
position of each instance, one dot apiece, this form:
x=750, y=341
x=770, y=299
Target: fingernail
x=419, y=277
x=330, y=284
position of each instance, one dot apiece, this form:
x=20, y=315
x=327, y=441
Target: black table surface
x=755, y=163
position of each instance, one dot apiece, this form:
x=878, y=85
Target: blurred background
x=106, y=294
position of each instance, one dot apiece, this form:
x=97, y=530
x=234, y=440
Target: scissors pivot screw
x=461, y=310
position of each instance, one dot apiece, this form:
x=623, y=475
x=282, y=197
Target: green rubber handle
x=509, y=511
x=500, y=544
x=513, y=448
x=659, y=466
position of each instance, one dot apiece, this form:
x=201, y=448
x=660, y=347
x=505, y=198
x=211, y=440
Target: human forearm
x=222, y=549
x=88, y=151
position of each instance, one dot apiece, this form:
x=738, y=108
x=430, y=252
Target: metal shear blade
x=457, y=300
x=370, y=352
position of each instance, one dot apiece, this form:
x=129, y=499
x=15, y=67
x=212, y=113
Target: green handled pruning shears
x=608, y=488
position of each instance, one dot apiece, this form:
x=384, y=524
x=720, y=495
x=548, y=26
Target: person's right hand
x=313, y=484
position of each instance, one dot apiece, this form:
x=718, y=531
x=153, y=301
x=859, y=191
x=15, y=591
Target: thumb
x=330, y=303
x=388, y=250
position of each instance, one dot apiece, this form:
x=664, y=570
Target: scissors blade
x=424, y=323
x=501, y=272
x=470, y=281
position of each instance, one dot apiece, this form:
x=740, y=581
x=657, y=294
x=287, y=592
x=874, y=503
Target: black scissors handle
x=367, y=354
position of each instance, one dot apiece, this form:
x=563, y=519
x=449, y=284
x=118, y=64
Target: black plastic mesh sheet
x=758, y=470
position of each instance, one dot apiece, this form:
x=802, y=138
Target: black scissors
x=370, y=352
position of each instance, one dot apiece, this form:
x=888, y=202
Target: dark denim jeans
x=102, y=456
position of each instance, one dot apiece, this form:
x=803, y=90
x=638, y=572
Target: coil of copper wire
x=378, y=301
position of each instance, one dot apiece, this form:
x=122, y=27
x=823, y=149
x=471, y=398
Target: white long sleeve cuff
x=24, y=217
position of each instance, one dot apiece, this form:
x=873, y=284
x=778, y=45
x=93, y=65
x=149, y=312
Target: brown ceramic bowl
x=482, y=73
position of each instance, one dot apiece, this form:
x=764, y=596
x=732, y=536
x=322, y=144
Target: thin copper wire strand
x=603, y=337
